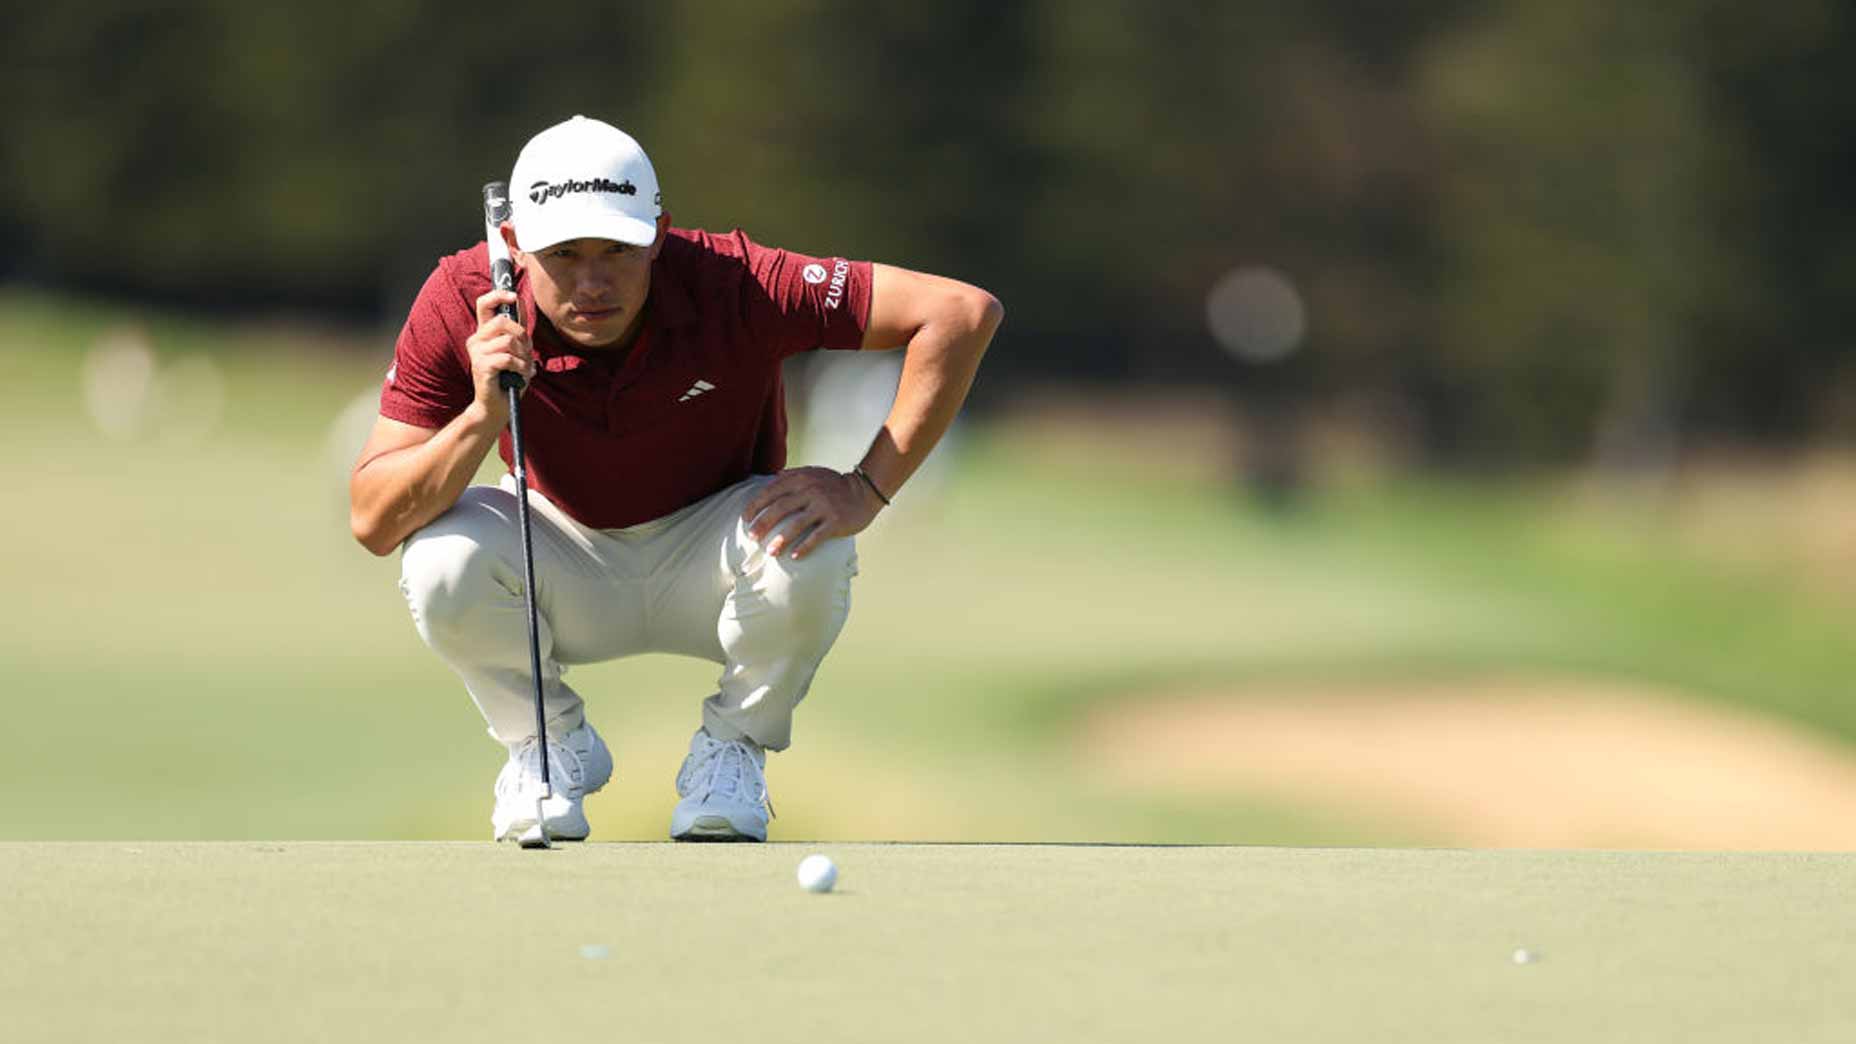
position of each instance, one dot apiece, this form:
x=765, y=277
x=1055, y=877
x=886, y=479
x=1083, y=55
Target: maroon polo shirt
x=619, y=437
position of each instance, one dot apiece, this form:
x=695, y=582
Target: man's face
x=592, y=290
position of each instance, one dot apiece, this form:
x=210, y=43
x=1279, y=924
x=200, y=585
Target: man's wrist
x=864, y=477
x=481, y=418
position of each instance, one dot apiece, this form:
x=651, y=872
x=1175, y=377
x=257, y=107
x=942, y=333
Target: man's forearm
x=937, y=371
x=395, y=493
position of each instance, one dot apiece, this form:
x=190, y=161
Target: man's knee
x=826, y=568
x=454, y=567
x=813, y=592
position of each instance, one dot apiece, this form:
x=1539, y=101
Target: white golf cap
x=583, y=179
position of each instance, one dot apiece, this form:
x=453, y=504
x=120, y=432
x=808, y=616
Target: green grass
x=194, y=648
x=358, y=943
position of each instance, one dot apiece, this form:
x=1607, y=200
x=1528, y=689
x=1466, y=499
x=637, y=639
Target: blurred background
x=1414, y=423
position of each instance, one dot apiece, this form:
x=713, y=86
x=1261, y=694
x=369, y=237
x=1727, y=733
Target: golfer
x=665, y=519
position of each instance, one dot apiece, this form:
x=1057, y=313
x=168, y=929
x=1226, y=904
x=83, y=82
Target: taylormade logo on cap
x=584, y=179
x=541, y=192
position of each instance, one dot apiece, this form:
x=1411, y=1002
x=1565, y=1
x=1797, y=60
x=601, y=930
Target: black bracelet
x=868, y=481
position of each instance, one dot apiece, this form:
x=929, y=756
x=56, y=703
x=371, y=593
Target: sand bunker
x=1501, y=763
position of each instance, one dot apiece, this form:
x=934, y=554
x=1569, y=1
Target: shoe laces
x=569, y=772
x=725, y=770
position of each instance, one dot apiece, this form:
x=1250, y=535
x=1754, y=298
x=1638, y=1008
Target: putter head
x=537, y=835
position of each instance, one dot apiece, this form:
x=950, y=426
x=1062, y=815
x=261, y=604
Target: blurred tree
x=1639, y=207
x=870, y=128
x=1556, y=226
x=1776, y=337
x=223, y=153
x=1573, y=205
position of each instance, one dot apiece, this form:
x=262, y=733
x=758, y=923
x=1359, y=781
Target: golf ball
x=817, y=873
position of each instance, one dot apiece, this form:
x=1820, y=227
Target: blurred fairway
x=195, y=648
x=159, y=943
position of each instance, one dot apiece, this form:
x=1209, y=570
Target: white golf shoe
x=723, y=785
x=578, y=764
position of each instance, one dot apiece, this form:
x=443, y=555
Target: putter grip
x=502, y=271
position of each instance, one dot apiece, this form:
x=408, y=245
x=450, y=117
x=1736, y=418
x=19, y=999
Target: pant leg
x=462, y=578
x=771, y=620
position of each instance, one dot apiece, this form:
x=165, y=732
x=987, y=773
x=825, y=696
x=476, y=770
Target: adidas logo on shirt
x=697, y=389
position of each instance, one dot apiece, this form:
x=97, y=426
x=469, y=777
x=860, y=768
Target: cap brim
x=541, y=231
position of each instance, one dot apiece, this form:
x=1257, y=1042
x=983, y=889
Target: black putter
x=503, y=276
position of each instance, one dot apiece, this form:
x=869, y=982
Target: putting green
x=333, y=942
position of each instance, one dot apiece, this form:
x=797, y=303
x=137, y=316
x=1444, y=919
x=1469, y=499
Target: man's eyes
x=566, y=254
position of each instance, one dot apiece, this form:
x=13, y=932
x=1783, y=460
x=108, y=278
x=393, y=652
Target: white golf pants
x=693, y=583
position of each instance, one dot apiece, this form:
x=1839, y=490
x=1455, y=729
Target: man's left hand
x=808, y=506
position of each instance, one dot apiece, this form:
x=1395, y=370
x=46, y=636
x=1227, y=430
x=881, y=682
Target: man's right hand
x=499, y=344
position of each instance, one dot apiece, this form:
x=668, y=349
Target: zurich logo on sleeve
x=834, y=294
x=815, y=274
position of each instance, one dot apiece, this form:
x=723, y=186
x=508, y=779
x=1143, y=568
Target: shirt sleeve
x=809, y=302
x=429, y=382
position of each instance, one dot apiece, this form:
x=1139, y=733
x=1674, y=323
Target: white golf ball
x=817, y=873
